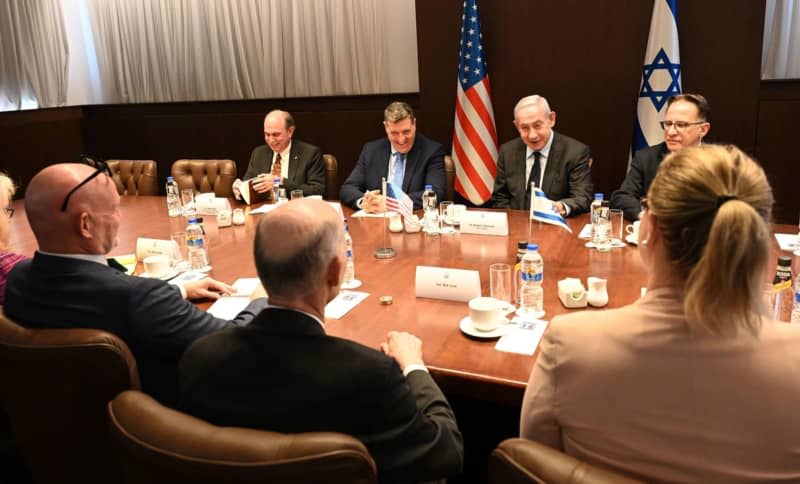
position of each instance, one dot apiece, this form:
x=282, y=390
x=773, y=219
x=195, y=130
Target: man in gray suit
x=558, y=164
x=299, y=164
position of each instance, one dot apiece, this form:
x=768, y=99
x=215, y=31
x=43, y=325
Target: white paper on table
x=343, y=303
x=245, y=286
x=523, y=340
x=787, y=241
x=586, y=232
x=446, y=283
x=264, y=208
x=362, y=213
x=227, y=307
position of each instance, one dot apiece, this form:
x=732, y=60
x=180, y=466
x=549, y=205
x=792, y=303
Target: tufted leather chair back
x=206, y=175
x=134, y=177
x=55, y=385
x=155, y=444
x=331, y=177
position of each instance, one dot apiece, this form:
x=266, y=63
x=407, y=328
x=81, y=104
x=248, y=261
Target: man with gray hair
x=558, y=164
x=283, y=373
x=404, y=157
x=297, y=163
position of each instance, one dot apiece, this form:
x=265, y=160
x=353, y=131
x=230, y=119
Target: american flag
x=475, y=136
x=398, y=201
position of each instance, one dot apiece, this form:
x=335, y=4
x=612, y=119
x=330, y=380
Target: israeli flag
x=661, y=75
x=543, y=211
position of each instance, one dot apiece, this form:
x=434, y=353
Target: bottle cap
x=522, y=244
x=598, y=196
x=428, y=187
x=169, y=179
x=386, y=300
x=193, y=220
x=533, y=247
x=784, y=261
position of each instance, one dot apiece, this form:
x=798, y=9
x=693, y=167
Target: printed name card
x=449, y=284
x=211, y=205
x=147, y=247
x=484, y=223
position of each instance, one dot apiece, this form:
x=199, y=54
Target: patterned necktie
x=536, y=170
x=276, y=167
x=399, y=169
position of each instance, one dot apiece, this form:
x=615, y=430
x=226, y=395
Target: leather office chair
x=55, y=385
x=520, y=461
x=450, y=177
x=134, y=177
x=331, y=177
x=156, y=444
x=206, y=175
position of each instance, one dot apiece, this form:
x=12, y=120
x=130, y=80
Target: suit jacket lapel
x=294, y=156
x=268, y=161
x=411, y=160
x=521, y=181
x=553, y=163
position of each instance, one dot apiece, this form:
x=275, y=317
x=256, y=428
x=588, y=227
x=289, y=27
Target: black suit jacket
x=567, y=177
x=424, y=166
x=283, y=373
x=306, y=168
x=644, y=167
x=150, y=315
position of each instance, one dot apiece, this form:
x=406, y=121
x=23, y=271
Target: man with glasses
x=73, y=210
x=685, y=124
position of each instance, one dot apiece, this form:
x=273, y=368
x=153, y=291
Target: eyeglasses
x=9, y=212
x=678, y=125
x=101, y=167
x=645, y=205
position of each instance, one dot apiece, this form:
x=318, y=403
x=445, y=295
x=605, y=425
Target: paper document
x=344, y=302
x=267, y=207
x=586, y=232
x=362, y=213
x=128, y=261
x=227, y=307
x=523, y=340
x=787, y=241
x=245, y=286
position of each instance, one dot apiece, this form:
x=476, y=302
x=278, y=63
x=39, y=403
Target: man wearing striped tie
x=406, y=158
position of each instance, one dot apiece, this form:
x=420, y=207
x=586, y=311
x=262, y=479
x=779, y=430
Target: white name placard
x=147, y=247
x=211, y=205
x=484, y=223
x=449, y=284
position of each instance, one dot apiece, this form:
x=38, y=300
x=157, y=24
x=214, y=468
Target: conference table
x=461, y=364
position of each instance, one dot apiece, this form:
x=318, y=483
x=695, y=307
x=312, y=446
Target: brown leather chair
x=520, y=461
x=206, y=175
x=134, y=177
x=55, y=385
x=156, y=444
x=450, y=177
x=331, y=177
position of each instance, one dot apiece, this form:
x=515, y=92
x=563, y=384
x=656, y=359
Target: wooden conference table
x=460, y=364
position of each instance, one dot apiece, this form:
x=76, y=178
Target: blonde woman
x=691, y=382
x=7, y=259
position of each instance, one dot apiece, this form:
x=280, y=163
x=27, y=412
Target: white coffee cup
x=633, y=230
x=457, y=211
x=486, y=313
x=156, y=265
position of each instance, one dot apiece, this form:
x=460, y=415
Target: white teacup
x=156, y=265
x=486, y=313
x=633, y=230
x=455, y=212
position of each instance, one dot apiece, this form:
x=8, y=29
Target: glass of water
x=446, y=220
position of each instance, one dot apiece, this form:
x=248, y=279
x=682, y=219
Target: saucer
x=170, y=274
x=632, y=239
x=352, y=284
x=616, y=243
x=467, y=327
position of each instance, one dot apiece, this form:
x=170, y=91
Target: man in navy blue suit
x=74, y=212
x=404, y=157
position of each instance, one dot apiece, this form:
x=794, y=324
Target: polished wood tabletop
x=460, y=364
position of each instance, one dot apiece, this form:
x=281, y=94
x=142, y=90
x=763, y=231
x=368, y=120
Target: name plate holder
x=480, y=222
x=448, y=284
x=146, y=247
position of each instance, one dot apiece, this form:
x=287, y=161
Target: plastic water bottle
x=173, y=198
x=782, y=303
x=196, y=245
x=431, y=219
x=276, y=189
x=595, y=212
x=795, y=319
x=602, y=228
x=531, y=304
x=349, y=267
x=522, y=248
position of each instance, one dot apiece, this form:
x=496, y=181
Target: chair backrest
x=331, y=177
x=134, y=177
x=450, y=177
x=55, y=385
x=591, y=160
x=155, y=444
x=206, y=175
x=519, y=461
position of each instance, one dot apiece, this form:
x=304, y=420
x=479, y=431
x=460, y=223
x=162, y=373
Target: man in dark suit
x=404, y=157
x=283, y=373
x=299, y=164
x=558, y=164
x=685, y=124
x=74, y=213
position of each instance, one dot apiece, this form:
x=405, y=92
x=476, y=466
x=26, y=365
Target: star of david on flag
x=661, y=75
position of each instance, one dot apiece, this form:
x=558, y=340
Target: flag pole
x=530, y=212
x=384, y=252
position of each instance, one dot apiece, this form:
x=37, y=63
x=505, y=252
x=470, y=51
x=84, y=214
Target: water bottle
x=522, y=248
x=196, y=245
x=782, y=300
x=595, y=212
x=531, y=303
x=602, y=228
x=276, y=189
x=349, y=267
x=795, y=319
x=430, y=223
x=173, y=198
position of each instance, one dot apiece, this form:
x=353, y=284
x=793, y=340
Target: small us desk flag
x=474, y=135
x=661, y=76
x=398, y=201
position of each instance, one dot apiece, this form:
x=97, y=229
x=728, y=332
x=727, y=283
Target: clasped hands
x=208, y=288
x=373, y=202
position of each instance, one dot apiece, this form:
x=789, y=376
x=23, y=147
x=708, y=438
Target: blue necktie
x=399, y=169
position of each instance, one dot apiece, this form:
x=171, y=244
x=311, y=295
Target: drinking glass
x=617, y=223
x=187, y=199
x=500, y=285
x=446, y=222
x=178, y=259
x=296, y=194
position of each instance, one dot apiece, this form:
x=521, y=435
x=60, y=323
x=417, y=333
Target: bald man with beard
x=284, y=373
x=73, y=210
